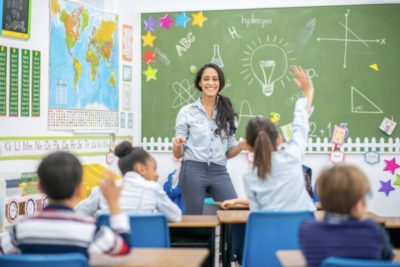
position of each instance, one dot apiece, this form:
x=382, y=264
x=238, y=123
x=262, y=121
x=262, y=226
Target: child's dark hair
x=261, y=135
x=129, y=156
x=59, y=174
x=225, y=113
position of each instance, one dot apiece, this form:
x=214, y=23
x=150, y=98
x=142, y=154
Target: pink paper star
x=165, y=21
x=391, y=165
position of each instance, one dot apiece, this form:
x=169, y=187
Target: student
x=141, y=194
x=344, y=192
x=275, y=182
x=58, y=229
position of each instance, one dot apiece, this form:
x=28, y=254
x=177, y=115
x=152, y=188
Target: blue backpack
x=174, y=193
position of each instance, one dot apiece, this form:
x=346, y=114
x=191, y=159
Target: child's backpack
x=307, y=172
x=174, y=193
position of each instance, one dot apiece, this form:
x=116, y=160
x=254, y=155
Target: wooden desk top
x=233, y=207
x=153, y=257
x=240, y=216
x=392, y=222
x=233, y=216
x=196, y=221
x=319, y=215
x=291, y=258
x=247, y=207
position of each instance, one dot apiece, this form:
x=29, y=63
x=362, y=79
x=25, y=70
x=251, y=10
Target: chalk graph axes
x=346, y=40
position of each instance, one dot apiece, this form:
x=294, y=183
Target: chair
x=267, y=232
x=345, y=262
x=148, y=231
x=44, y=260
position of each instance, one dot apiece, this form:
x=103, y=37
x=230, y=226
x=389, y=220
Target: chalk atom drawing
x=361, y=104
x=185, y=92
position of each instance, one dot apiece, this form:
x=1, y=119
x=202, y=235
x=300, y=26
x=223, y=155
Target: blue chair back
x=147, y=231
x=44, y=260
x=267, y=232
x=345, y=262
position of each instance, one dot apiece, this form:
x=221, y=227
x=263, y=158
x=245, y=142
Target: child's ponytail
x=261, y=136
x=262, y=154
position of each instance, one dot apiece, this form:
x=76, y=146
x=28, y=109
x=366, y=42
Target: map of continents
x=83, y=58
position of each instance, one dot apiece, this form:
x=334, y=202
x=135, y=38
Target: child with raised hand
x=275, y=182
x=58, y=229
x=344, y=232
x=141, y=194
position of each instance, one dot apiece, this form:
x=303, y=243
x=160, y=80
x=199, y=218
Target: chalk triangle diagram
x=361, y=104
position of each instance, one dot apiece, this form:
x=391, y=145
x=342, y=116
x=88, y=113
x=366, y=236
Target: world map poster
x=84, y=53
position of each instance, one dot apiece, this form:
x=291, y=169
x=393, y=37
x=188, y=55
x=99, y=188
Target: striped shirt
x=58, y=229
x=350, y=238
x=138, y=196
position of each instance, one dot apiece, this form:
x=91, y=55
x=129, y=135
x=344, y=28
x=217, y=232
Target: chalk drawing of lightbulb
x=267, y=63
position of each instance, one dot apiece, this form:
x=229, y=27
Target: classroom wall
x=129, y=13
x=39, y=40
x=380, y=204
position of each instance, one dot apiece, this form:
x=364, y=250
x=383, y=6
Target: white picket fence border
x=391, y=146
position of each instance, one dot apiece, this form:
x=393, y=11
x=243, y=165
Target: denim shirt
x=201, y=144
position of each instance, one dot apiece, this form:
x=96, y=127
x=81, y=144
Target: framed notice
x=127, y=97
x=15, y=18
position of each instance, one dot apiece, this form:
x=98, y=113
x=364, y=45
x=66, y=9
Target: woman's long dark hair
x=226, y=115
x=261, y=135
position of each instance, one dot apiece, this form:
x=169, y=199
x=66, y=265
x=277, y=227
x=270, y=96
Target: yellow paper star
x=198, y=19
x=150, y=73
x=397, y=181
x=148, y=39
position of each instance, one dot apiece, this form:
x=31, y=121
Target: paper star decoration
x=386, y=187
x=150, y=73
x=397, y=181
x=150, y=23
x=391, y=165
x=149, y=56
x=166, y=21
x=148, y=39
x=198, y=19
x=181, y=20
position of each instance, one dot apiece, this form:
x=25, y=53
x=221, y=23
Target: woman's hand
x=178, y=141
x=177, y=149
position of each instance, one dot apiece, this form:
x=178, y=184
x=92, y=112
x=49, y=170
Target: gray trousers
x=197, y=178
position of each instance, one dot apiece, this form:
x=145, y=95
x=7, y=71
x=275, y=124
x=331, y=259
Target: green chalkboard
x=337, y=45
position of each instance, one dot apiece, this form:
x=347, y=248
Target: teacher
x=205, y=138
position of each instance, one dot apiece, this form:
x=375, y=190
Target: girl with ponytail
x=275, y=182
x=205, y=138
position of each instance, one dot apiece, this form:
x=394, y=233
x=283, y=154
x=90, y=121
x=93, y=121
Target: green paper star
x=397, y=181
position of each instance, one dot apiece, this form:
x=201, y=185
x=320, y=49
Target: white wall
x=129, y=13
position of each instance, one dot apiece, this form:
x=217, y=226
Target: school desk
x=392, y=222
x=227, y=217
x=295, y=258
x=233, y=207
x=153, y=257
x=195, y=231
x=246, y=207
x=291, y=258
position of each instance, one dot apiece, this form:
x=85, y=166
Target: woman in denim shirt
x=205, y=138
